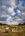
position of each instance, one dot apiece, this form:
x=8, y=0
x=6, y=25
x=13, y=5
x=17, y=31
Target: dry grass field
x=6, y=30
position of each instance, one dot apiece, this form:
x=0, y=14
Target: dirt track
x=13, y=34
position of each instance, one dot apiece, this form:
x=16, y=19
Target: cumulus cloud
x=9, y=15
x=11, y=11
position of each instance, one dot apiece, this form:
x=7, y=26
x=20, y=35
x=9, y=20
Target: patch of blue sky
x=17, y=2
x=3, y=18
x=0, y=10
x=22, y=2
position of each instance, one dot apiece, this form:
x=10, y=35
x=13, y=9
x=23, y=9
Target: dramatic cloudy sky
x=12, y=12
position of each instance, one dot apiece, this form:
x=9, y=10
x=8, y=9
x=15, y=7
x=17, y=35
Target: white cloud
x=12, y=3
x=3, y=6
x=8, y=18
x=10, y=10
x=18, y=11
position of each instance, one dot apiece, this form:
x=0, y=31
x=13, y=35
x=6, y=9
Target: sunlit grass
x=17, y=30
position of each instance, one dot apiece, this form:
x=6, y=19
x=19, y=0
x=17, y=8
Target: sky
x=12, y=12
